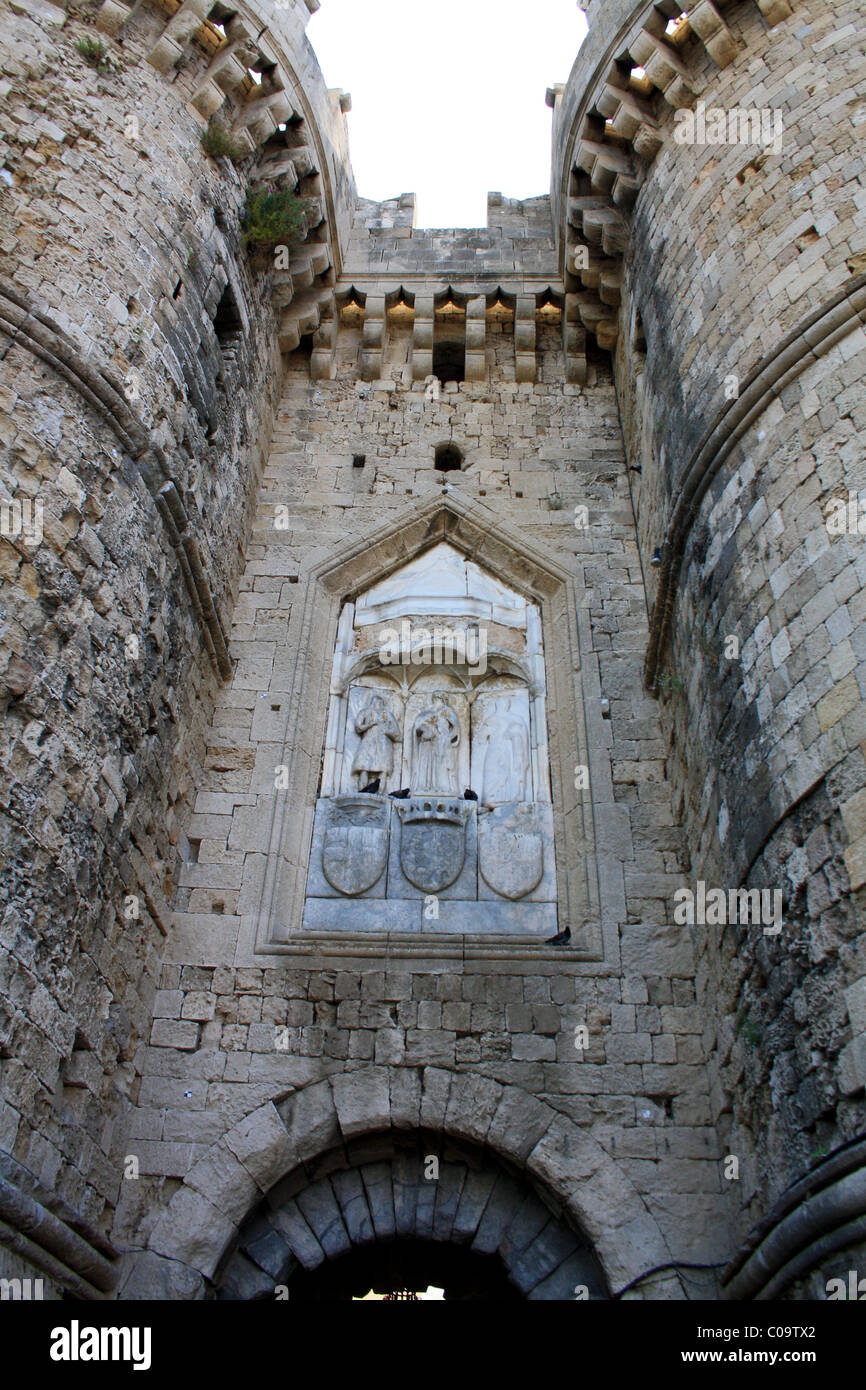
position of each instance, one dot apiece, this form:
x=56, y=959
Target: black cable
x=658, y=1269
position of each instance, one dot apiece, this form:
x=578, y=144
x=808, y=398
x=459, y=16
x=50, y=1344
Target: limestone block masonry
x=395, y=634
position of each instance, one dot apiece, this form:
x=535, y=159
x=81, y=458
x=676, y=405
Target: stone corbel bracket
x=425, y=297
x=615, y=135
x=258, y=114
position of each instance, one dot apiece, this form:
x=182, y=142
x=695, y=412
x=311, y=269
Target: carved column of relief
x=476, y=336
x=436, y=747
x=514, y=829
x=435, y=740
x=502, y=766
x=335, y=738
x=378, y=732
x=373, y=737
x=540, y=752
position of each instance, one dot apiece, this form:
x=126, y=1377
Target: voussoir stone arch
x=274, y=1160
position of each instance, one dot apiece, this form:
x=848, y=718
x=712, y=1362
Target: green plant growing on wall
x=747, y=1030
x=669, y=681
x=219, y=143
x=94, y=53
x=273, y=217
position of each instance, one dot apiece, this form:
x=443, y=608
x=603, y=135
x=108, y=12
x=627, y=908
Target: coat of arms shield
x=433, y=841
x=510, y=852
x=355, y=849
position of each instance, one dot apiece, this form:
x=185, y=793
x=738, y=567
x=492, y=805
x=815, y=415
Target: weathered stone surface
x=311, y=1120
x=263, y=1146
x=354, y=1207
x=291, y=1224
x=212, y=496
x=363, y=1101
x=225, y=1182
x=151, y=1276
x=436, y=1085
x=194, y=1231
x=472, y=1103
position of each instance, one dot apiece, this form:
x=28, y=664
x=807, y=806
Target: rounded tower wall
x=739, y=364
x=141, y=367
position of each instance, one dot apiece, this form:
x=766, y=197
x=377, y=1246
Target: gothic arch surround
x=476, y=533
x=557, y=1200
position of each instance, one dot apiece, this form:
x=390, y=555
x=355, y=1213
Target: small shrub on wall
x=219, y=143
x=273, y=217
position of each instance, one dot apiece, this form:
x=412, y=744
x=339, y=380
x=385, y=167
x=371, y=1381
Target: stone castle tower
x=543, y=512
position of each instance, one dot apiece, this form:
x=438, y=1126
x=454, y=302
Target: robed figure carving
x=379, y=732
x=434, y=744
x=506, y=757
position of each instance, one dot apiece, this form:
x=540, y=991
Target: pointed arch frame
x=476, y=532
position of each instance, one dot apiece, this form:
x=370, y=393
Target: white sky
x=448, y=96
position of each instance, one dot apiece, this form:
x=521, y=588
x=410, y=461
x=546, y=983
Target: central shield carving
x=433, y=841
x=355, y=849
x=511, y=852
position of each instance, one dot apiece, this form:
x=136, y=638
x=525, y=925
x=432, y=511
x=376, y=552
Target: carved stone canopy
x=441, y=583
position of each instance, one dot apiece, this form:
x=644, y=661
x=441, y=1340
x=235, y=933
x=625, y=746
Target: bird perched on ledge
x=561, y=939
x=400, y=796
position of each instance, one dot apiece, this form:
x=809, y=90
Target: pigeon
x=470, y=795
x=371, y=786
x=400, y=796
x=561, y=938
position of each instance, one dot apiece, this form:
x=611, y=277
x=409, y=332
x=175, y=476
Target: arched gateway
x=337, y=1179
x=407, y=1211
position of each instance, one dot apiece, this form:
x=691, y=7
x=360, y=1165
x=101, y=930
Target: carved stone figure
x=435, y=739
x=506, y=757
x=379, y=731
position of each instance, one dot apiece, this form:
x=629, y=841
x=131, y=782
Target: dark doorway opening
x=401, y=1266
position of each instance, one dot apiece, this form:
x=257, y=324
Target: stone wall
x=739, y=371
x=214, y=445
x=234, y=1030
x=518, y=241
x=141, y=433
